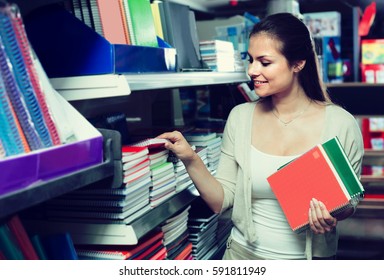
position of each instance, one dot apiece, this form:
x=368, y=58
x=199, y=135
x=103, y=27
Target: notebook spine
x=125, y=22
x=77, y=9
x=97, y=255
x=26, y=52
x=19, y=68
x=132, y=36
x=98, y=27
x=24, y=141
x=301, y=228
x=2, y=151
x=11, y=86
x=19, y=72
x=88, y=203
x=18, y=104
x=334, y=211
x=9, y=133
x=341, y=208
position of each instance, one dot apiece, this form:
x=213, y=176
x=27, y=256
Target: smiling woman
x=293, y=114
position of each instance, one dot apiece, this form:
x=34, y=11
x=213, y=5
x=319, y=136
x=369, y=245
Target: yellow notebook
x=157, y=19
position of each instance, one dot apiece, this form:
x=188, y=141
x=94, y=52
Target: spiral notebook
x=10, y=137
x=17, y=50
x=151, y=143
x=21, y=92
x=16, y=100
x=26, y=52
x=324, y=173
x=119, y=252
x=11, y=90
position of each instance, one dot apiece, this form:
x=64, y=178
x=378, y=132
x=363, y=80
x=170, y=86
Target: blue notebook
x=59, y=246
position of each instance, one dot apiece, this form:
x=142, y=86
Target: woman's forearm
x=209, y=188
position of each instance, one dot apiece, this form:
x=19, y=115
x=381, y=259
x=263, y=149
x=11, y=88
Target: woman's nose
x=253, y=70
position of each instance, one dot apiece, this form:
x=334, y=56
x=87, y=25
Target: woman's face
x=268, y=67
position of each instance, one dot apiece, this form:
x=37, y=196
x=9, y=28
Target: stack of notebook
x=111, y=205
x=162, y=171
x=183, y=181
x=211, y=142
x=224, y=228
x=150, y=247
x=176, y=234
x=202, y=152
x=202, y=226
x=218, y=55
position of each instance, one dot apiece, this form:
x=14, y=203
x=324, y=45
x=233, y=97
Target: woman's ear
x=299, y=65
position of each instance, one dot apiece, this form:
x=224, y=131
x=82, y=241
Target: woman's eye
x=265, y=63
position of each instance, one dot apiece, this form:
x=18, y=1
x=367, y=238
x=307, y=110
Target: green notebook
x=337, y=156
x=142, y=22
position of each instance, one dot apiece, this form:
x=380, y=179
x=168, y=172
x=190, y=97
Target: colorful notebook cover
x=324, y=173
x=140, y=15
x=112, y=21
x=130, y=153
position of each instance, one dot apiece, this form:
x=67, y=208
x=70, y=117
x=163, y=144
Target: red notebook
x=130, y=153
x=185, y=253
x=112, y=21
x=21, y=236
x=324, y=173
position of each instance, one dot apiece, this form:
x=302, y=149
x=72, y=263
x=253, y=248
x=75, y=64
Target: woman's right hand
x=178, y=145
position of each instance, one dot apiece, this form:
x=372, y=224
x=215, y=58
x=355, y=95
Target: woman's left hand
x=320, y=220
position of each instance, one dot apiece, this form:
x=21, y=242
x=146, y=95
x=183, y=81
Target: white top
x=275, y=238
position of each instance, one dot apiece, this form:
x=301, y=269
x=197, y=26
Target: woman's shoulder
x=243, y=108
x=341, y=122
x=338, y=113
x=245, y=105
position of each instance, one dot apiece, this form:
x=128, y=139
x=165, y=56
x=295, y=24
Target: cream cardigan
x=233, y=171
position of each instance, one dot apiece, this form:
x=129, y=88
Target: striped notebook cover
x=324, y=173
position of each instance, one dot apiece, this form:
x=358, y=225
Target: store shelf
x=370, y=208
x=22, y=199
x=90, y=87
x=116, y=234
x=173, y=80
x=373, y=153
x=112, y=85
x=360, y=99
x=371, y=179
